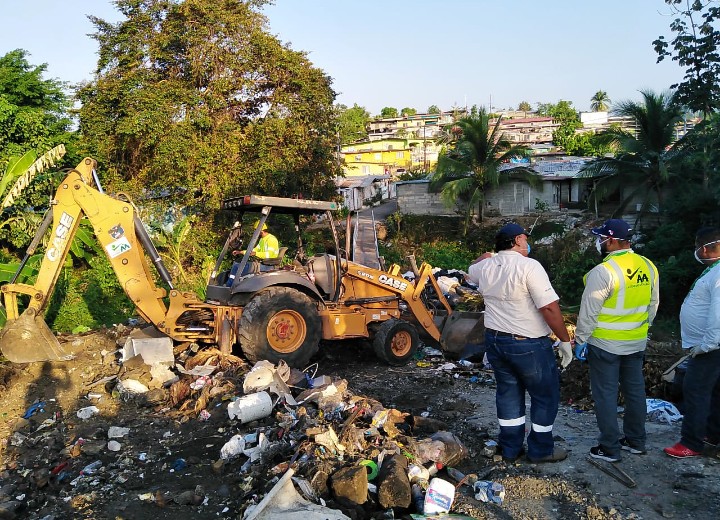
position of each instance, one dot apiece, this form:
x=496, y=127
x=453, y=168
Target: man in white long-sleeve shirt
x=700, y=334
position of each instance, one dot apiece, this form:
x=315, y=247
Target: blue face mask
x=528, y=248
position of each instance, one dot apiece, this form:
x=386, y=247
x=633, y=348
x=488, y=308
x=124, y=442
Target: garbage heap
x=341, y=455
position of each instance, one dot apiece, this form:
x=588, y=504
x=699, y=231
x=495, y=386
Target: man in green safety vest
x=267, y=247
x=618, y=305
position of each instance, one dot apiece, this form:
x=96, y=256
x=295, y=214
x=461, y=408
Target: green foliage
x=600, y=101
x=696, y=47
x=200, y=95
x=646, y=162
x=541, y=205
x=524, y=106
x=352, y=123
x=471, y=164
x=88, y=298
x=446, y=254
x=586, y=144
x=433, y=109
x=388, y=112
x=414, y=173
x=33, y=111
x=407, y=111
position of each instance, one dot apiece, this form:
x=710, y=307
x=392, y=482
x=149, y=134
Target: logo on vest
x=637, y=276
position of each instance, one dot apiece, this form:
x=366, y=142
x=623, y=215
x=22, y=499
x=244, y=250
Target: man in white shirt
x=521, y=309
x=700, y=334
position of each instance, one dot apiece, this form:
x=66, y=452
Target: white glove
x=566, y=353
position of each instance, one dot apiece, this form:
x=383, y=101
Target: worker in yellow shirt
x=267, y=247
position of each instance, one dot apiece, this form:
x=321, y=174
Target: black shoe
x=625, y=445
x=512, y=460
x=557, y=455
x=598, y=452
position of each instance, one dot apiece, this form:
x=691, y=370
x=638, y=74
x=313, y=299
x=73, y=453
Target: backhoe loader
x=280, y=312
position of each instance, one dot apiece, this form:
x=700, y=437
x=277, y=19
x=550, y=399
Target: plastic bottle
x=418, y=498
x=439, y=496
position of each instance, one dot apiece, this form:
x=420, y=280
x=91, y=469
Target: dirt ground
x=169, y=466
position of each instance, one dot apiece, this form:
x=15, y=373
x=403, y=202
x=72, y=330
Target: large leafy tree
x=389, y=112
x=33, y=110
x=408, y=111
x=433, y=109
x=696, y=47
x=600, y=102
x=199, y=95
x=470, y=166
x=524, y=106
x=352, y=123
x=647, y=160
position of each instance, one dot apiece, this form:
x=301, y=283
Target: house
x=357, y=190
x=380, y=157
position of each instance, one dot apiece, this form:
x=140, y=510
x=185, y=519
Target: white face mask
x=599, y=243
x=706, y=261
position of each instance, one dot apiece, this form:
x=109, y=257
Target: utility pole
x=425, y=167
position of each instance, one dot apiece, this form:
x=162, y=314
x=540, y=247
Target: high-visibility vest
x=624, y=316
x=267, y=247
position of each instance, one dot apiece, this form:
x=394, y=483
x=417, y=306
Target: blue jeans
x=701, y=401
x=607, y=371
x=524, y=365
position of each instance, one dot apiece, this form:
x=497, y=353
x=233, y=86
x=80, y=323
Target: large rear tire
x=396, y=342
x=280, y=323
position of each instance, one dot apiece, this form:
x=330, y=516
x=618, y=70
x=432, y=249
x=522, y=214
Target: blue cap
x=613, y=228
x=512, y=230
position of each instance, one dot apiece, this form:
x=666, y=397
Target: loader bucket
x=462, y=328
x=29, y=339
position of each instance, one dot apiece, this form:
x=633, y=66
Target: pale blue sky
x=415, y=53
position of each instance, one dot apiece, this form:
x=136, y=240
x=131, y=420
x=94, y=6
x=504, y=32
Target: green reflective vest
x=624, y=315
x=267, y=247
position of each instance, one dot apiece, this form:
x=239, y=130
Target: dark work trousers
x=524, y=365
x=701, y=401
x=607, y=371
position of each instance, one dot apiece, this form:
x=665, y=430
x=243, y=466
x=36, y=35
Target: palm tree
x=646, y=160
x=600, y=101
x=471, y=164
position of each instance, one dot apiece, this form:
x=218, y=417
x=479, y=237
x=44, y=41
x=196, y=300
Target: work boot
x=557, y=455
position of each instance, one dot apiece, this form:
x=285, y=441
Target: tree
x=200, y=95
x=352, y=123
x=433, y=109
x=407, y=111
x=388, y=112
x=646, y=162
x=524, y=106
x=695, y=47
x=33, y=111
x=600, y=101
x=471, y=164
x=563, y=113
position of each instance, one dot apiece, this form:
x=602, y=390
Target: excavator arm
x=27, y=338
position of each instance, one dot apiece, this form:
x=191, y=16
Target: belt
x=494, y=332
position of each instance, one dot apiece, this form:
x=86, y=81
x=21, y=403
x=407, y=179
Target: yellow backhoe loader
x=274, y=313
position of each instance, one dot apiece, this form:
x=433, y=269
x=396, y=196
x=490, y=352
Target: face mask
x=705, y=261
x=599, y=243
x=528, y=248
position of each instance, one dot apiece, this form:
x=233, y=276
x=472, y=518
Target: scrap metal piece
x=614, y=471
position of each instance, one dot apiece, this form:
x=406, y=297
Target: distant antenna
x=490, y=104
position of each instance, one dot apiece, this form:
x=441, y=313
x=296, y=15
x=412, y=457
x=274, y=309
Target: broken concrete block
x=393, y=483
x=351, y=484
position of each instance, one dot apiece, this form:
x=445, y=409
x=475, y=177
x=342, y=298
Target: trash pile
x=171, y=428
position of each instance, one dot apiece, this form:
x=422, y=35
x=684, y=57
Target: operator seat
x=277, y=260
x=320, y=267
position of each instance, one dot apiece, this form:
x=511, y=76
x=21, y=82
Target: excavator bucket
x=29, y=339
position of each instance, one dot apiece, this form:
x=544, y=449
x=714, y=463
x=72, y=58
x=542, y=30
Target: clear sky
x=415, y=53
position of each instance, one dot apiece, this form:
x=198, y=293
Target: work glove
x=581, y=351
x=565, y=349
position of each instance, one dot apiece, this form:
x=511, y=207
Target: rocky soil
x=168, y=464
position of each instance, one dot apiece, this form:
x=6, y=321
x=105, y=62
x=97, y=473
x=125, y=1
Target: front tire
x=280, y=323
x=396, y=342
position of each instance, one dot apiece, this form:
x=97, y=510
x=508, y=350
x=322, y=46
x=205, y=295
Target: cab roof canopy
x=255, y=203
